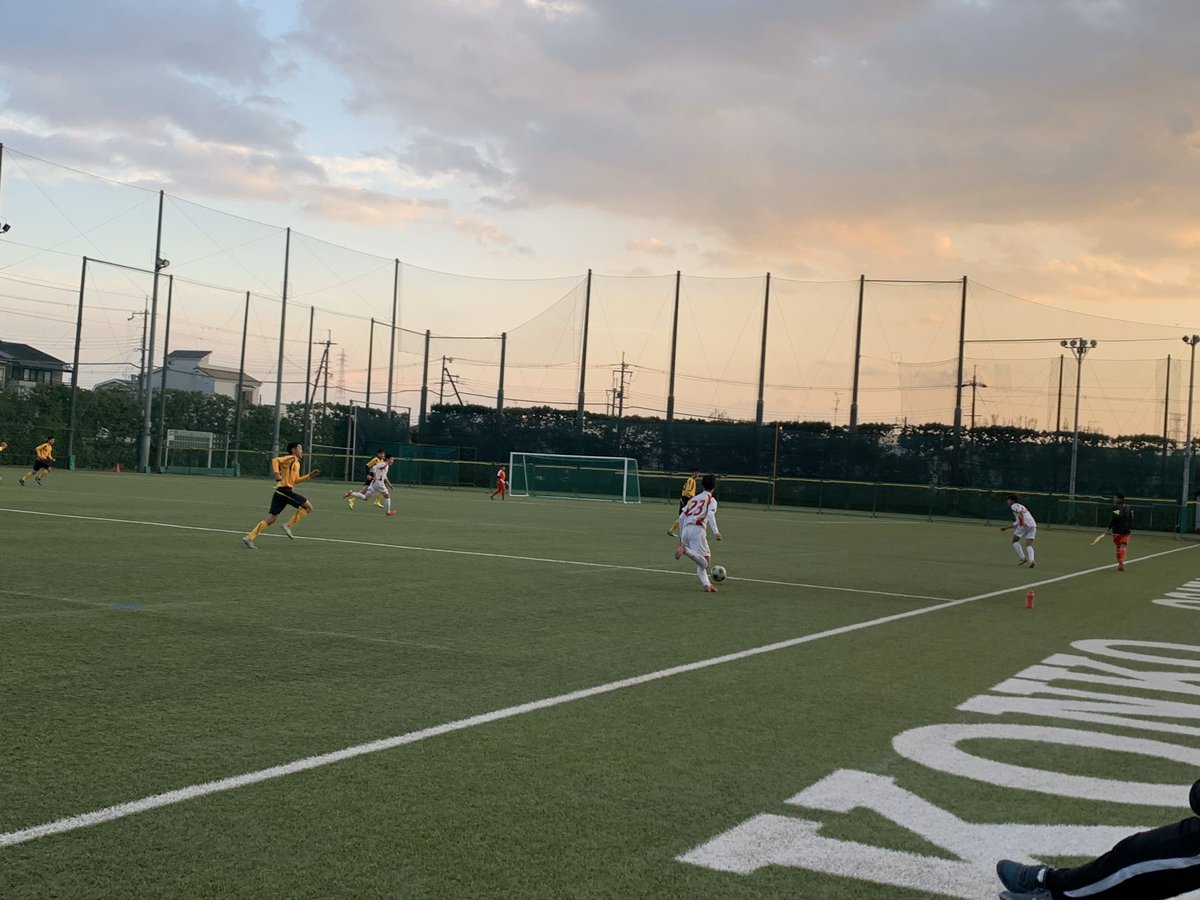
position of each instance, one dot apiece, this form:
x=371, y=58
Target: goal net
x=191, y=452
x=613, y=478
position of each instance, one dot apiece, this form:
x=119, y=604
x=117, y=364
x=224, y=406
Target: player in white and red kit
x=1024, y=528
x=501, y=485
x=697, y=517
x=379, y=486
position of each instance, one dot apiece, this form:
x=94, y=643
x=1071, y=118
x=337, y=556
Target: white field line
x=156, y=801
x=480, y=553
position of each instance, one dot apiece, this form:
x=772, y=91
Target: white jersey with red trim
x=379, y=472
x=700, y=510
x=1022, y=516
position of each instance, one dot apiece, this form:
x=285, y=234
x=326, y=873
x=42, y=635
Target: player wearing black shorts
x=43, y=459
x=286, y=470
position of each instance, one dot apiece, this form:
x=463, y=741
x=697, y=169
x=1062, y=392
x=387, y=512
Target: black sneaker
x=1023, y=881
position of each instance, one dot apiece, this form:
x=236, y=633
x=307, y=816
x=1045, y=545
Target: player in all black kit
x=1149, y=865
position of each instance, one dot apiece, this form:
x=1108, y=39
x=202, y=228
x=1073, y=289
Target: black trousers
x=1162, y=862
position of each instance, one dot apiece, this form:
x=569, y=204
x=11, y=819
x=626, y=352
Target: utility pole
x=145, y=314
x=311, y=392
x=974, y=384
x=442, y=381
x=619, y=382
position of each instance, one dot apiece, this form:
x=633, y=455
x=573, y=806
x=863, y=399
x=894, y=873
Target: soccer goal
x=191, y=453
x=612, y=478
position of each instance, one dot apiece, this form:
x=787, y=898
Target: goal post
x=564, y=476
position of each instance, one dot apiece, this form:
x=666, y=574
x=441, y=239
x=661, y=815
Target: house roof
x=228, y=375
x=188, y=354
x=23, y=353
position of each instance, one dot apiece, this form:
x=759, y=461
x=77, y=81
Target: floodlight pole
x=1079, y=347
x=1191, y=340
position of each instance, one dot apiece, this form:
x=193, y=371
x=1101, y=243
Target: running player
x=43, y=459
x=685, y=494
x=698, y=516
x=286, y=470
x=379, y=487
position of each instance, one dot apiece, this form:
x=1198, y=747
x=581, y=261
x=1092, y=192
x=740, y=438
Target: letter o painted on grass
x=1107, y=648
x=936, y=746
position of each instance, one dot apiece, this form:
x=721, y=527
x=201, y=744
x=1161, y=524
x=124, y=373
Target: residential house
x=23, y=367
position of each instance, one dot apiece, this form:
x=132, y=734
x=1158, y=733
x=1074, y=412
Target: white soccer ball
x=717, y=573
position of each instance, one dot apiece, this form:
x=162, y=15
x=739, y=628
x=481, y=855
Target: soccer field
x=532, y=698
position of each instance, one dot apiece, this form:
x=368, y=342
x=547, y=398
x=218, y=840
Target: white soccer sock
x=357, y=496
x=1019, y=551
x=1029, y=553
x=388, y=504
x=702, y=574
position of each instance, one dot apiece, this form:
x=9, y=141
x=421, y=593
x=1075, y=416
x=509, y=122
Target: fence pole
x=862, y=283
x=159, y=265
x=587, y=308
x=370, y=360
x=162, y=382
x=392, y=340
x=762, y=359
x=237, y=414
x=500, y=389
x=75, y=364
x=287, y=252
x=424, y=388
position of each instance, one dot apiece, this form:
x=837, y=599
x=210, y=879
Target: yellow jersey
x=45, y=451
x=689, y=488
x=287, y=467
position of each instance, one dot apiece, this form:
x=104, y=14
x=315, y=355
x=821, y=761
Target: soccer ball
x=717, y=573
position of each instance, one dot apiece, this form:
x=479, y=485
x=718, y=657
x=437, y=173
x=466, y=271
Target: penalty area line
x=308, y=763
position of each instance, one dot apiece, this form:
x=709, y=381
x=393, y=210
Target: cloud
x=484, y=233
x=767, y=122
x=651, y=246
x=364, y=207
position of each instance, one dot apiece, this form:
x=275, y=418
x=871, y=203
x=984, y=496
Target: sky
x=1047, y=149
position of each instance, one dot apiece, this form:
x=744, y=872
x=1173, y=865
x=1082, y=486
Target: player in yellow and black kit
x=3, y=447
x=688, y=492
x=43, y=456
x=286, y=470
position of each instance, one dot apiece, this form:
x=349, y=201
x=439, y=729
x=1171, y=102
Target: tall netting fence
x=354, y=346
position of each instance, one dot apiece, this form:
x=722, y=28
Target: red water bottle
x=1029, y=599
